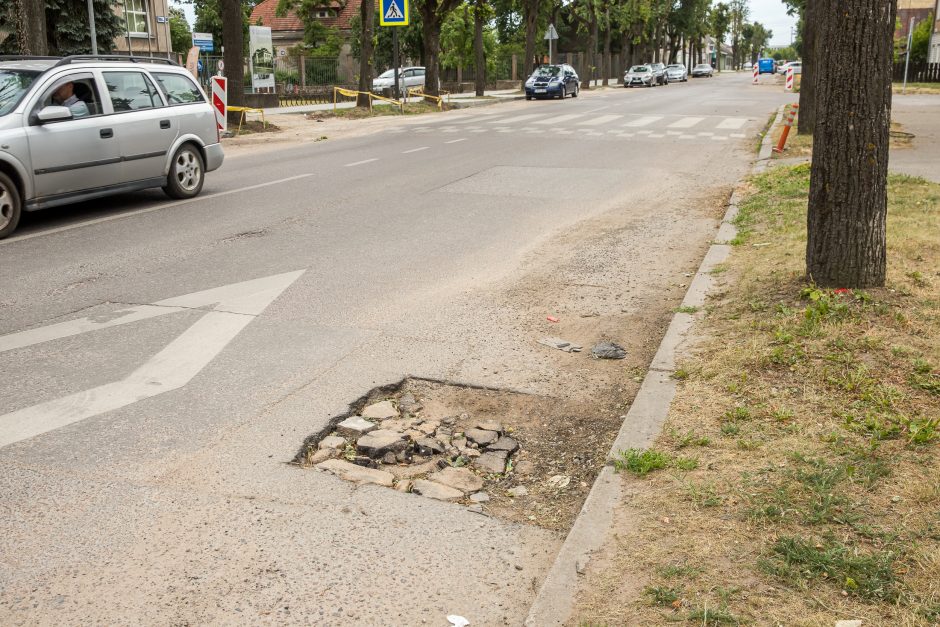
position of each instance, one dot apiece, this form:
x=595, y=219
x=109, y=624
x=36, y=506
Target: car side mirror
x=54, y=113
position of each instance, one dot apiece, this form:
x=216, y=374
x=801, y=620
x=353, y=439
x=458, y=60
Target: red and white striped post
x=219, y=98
x=757, y=73
x=790, y=75
x=791, y=117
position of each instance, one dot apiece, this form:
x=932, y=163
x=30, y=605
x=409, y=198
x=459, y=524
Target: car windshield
x=13, y=84
x=673, y=67
x=702, y=66
x=387, y=74
x=547, y=70
x=639, y=68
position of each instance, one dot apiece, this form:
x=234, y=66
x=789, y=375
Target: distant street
x=147, y=416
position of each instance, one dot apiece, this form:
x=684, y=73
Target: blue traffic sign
x=394, y=13
x=203, y=41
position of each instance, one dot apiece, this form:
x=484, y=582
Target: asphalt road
x=145, y=424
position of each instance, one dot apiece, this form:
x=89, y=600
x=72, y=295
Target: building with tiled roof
x=288, y=31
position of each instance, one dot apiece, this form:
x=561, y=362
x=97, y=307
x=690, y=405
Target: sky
x=770, y=13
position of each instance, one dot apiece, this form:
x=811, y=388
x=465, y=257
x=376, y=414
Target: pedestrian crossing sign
x=393, y=13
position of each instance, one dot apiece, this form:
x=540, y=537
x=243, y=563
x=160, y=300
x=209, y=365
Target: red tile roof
x=265, y=14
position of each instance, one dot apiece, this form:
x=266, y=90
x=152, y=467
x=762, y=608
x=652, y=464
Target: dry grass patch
x=813, y=419
x=802, y=145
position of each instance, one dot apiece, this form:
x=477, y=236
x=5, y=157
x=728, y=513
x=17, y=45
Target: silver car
x=641, y=75
x=408, y=78
x=82, y=127
x=677, y=72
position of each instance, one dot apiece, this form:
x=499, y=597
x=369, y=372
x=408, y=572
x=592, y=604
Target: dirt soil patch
x=797, y=479
x=251, y=127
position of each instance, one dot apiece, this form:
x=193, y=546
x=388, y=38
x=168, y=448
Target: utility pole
x=91, y=25
x=907, y=59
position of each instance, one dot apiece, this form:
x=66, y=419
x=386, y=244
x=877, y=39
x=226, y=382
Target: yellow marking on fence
x=350, y=93
x=419, y=91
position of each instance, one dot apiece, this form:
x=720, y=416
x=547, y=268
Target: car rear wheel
x=187, y=173
x=11, y=206
x=574, y=94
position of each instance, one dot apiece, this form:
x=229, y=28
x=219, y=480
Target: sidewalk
x=762, y=476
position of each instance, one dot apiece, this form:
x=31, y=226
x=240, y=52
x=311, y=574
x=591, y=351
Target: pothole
x=525, y=458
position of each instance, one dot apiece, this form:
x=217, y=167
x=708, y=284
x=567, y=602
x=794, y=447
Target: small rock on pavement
x=380, y=411
x=559, y=481
x=458, y=478
x=492, y=462
x=481, y=436
x=480, y=497
x=409, y=404
x=476, y=508
x=332, y=441
x=519, y=490
x=390, y=458
x=355, y=426
x=524, y=467
x=323, y=454
x=435, y=490
x=505, y=443
x=381, y=441
x=429, y=446
x=608, y=350
x=357, y=474
x=490, y=425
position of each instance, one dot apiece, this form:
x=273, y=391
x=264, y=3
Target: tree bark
x=367, y=19
x=807, y=119
x=607, y=35
x=531, y=21
x=233, y=38
x=432, y=54
x=30, y=27
x=848, y=188
x=478, y=52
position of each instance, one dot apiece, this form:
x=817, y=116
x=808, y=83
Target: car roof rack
x=26, y=57
x=112, y=57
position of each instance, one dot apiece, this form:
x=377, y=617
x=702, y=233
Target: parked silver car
x=641, y=75
x=677, y=72
x=408, y=78
x=82, y=127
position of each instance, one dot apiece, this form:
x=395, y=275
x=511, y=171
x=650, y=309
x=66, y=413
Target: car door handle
x=164, y=124
x=106, y=133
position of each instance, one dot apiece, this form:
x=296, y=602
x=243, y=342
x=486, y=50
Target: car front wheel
x=11, y=206
x=187, y=173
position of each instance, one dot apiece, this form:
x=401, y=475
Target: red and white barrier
x=757, y=73
x=790, y=77
x=219, y=98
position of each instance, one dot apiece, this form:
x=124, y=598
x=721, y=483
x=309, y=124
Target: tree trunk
x=848, y=191
x=591, y=47
x=431, y=28
x=606, y=63
x=531, y=21
x=233, y=38
x=367, y=19
x=807, y=119
x=30, y=27
x=478, y=51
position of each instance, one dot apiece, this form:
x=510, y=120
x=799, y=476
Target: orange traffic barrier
x=791, y=116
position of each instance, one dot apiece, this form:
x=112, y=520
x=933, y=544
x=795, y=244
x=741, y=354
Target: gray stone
x=459, y=443
x=480, y=497
x=481, y=436
x=429, y=427
x=409, y=404
x=381, y=441
x=490, y=425
x=494, y=462
x=449, y=420
x=357, y=474
x=390, y=458
x=332, y=441
x=519, y=490
x=437, y=491
x=396, y=424
x=505, y=443
x=608, y=350
x=476, y=508
x=524, y=467
x=323, y=454
x=470, y=453
x=380, y=411
x=429, y=446
x=404, y=485
x=355, y=426
x=461, y=479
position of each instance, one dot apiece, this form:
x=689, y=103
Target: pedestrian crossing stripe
x=394, y=13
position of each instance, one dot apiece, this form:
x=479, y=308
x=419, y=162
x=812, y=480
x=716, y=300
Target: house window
x=137, y=19
x=324, y=14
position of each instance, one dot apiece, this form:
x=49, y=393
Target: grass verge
x=378, y=110
x=917, y=88
x=815, y=417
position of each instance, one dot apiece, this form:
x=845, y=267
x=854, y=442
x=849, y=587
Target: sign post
x=790, y=78
x=395, y=13
x=907, y=57
x=219, y=97
x=550, y=35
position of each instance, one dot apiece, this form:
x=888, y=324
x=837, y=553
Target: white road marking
x=706, y=134
x=454, y=141
x=732, y=123
x=686, y=136
x=656, y=135
x=719, y=138
x=518, y=118
x=408, y=152
x=738, y=135
x=363, y=162
x=601, y=119
x=688, y=122
x=236, y=305
x=596, y=110
x=558, y=119
x=644, y=121
x=167, y=205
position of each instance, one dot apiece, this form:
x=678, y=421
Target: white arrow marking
x=173, y=367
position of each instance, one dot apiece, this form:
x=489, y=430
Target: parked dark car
x=702, y=69
x=639, y=75
x=552, y=81
x=659, y=72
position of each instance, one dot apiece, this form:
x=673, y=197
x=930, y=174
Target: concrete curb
x=556, y=598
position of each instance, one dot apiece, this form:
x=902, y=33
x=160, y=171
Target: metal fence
x=918, y=72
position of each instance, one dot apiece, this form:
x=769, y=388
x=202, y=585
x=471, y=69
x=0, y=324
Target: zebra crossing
x=670, y=127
